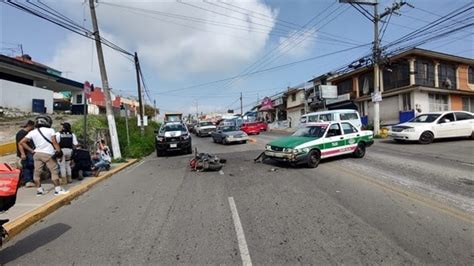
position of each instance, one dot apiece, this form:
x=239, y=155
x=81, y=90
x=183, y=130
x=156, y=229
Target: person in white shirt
x=46, y=146
x=102, y=159
x=67, y=142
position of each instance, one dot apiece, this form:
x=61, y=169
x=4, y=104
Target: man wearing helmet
x=46, y=146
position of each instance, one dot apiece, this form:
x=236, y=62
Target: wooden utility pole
x=140, y=99
x=105, y=86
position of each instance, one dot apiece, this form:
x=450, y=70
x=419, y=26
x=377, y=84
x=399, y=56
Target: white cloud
x=297, y=44
x=170, y=47
x=76, y=56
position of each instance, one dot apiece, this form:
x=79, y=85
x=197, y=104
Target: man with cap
x=26, y=154
x=67, y=142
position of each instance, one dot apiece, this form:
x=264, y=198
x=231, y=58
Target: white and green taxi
x=316, y=141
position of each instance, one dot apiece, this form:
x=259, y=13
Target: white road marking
x=244, y=250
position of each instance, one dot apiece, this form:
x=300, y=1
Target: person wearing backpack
x=67, y=142
x=45, y=153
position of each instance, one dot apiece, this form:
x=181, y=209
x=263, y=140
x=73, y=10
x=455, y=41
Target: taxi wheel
x=360, y=150
x=426, y=138
x=314, y=157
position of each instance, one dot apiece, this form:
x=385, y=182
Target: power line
x=265, y=70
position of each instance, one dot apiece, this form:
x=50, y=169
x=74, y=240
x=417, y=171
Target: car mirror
x=446, y=120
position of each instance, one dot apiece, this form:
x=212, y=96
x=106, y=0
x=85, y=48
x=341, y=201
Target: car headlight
x=411, y=129
x=268, y=147
x=187, y=136
x=230, y=137
x=289, y=150
x=160, y=139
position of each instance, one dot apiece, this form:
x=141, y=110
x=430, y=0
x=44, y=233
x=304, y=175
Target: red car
x=250, y=128
x=263, y=126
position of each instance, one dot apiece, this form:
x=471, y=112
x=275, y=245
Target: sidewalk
x=283, y=130
x=30, y=208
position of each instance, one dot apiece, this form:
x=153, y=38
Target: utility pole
x=105, y=85
x=197, y=112
x=377, y=97
x=154, y=108
x=140, y=99
x=126, y=123
x=241, y=106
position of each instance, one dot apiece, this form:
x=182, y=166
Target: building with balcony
x=412, y=82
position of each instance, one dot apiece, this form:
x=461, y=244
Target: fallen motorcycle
x=206, y=162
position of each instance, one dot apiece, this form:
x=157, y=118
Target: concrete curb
x=282, y=131
x=7, y=148
x=18, y=225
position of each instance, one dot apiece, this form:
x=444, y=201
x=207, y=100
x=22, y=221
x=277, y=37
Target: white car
x=435, y=125
x=204, y=128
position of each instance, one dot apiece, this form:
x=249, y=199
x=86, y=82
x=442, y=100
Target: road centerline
x=243, y=248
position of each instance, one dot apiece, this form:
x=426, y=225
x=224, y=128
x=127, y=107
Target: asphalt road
x=401, y=204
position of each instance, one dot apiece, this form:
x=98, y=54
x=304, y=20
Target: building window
x=424, y=72
x=293, y=97
x=438, y=102
x=366, y=83
x=447, y=76
x=406, y=102
x=470, y=74
x=344, y=87
x=79, y=99
x=468, y=104
x=396, y=75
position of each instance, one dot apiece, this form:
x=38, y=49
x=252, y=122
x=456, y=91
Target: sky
x=185, y=43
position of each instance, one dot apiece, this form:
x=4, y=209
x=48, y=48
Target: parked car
x=226, y=134
x=173, y=136
x=434, y=125
x=262, y=125
x=250, y=128
x=333, y=115
x=204, y=128
x=316, y=141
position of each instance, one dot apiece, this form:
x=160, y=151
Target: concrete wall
x=298, y=100
x=15, y=95
x=294, y=115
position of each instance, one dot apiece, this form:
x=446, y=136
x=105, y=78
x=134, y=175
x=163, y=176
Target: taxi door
x=335, y=142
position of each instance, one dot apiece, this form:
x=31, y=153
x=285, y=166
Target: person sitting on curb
x=102, y=158
x=82, y=162
x=67, y=142
x=26, y=154
x=46, y=148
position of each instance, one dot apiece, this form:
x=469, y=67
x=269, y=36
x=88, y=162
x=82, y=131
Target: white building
x=29, y=86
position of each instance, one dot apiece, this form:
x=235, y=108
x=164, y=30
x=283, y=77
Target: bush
x=139, y=145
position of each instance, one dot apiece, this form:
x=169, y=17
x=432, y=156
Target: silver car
x=227, y=134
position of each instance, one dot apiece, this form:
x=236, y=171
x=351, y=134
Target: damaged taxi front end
x=286, y=149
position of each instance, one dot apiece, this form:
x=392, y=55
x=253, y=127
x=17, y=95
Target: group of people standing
x=43, y=151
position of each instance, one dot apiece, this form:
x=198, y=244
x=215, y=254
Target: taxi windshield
x=311, y=131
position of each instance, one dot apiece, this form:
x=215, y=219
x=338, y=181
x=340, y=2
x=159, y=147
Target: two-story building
x=295, y=105
x=412, y=82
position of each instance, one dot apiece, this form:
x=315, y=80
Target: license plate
x=173, y=145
